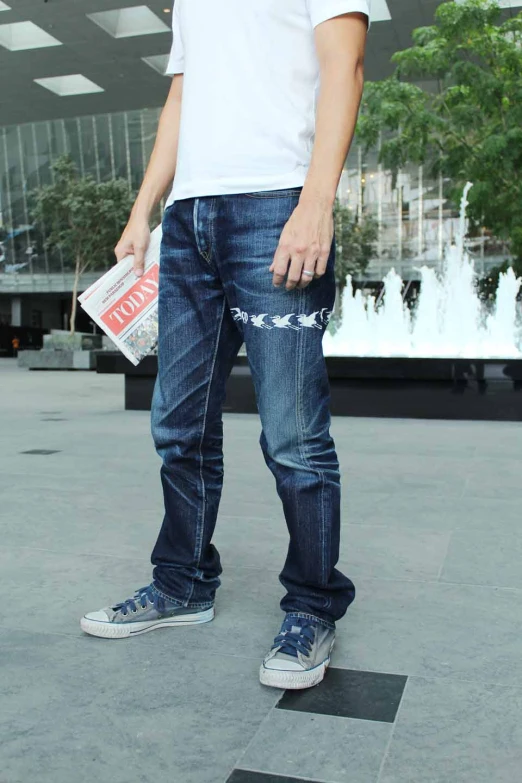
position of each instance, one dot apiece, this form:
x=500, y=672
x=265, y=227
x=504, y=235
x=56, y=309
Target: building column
x=16, y=311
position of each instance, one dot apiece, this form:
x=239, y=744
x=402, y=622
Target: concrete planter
x=58, y=360
x=65, y=341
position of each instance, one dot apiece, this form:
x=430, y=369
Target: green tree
x=467, y=122
x=81, y=218
x=355, y=243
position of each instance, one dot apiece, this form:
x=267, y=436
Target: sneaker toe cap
x=277, y=664
x=100, y=616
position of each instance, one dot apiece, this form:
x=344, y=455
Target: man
x=255, y=133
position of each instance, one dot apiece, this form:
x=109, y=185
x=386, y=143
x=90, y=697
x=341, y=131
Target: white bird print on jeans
x=325, y=315
x=316, y=320
x=309, y=320
x=259, y=320
x=283, y=322
x=239, y=315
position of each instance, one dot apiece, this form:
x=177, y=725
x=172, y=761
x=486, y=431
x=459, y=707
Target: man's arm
x=307, y=238
x=160, y=173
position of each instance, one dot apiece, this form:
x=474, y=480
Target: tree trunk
x=74, y=302
x=338, y=306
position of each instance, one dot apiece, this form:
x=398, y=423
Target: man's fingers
x=134, y=242
x=322, y=261
x=139, y=260
x=122, y=250
x=295, y=272
x=279, y=266
x=293, y=264
x=308, y=271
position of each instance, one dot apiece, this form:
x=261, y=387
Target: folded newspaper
x=126, y=306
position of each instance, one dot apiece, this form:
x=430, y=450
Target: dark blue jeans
x=215, y=293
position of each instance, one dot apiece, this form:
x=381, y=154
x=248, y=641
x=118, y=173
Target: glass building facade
x=414, y=223
x=104, y=146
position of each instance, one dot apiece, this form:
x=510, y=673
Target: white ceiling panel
x=128, y=22
x=73, y=84
x=18, y=36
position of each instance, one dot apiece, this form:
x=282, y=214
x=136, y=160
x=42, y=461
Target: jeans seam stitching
x=298, y=384
x=201, y=252
x=212, y=238
x=200, y=528
x=300, y=430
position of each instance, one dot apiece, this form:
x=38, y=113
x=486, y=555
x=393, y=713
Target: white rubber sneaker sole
x=106, y=630
x=292, y=680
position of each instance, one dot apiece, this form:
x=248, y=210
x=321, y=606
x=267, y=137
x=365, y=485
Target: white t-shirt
x=251, y=78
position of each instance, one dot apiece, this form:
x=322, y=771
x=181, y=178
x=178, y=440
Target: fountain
x=449, y=320
x=448, y=358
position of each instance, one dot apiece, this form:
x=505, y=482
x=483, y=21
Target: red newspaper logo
x=128, y=307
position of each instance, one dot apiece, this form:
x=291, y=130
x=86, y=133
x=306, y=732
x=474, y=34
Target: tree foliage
x=82, y=218
x=355, y=243
x=467, y=122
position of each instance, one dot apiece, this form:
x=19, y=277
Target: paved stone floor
x=426, y=684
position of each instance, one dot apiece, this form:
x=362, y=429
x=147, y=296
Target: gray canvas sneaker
x=147, y=611
x=299, y=656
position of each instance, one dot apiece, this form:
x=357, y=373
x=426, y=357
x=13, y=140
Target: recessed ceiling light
x=74, y=84
x=4, y=6
x=157, y=61
x=127, y=22
x=25, y=35
x=166, y=10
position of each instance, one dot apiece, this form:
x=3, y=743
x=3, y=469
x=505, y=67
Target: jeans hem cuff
x=177, y=602
x=303, y=615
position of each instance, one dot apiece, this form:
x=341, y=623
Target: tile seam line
x=4, y=630
x=73, y=554
x=394, y=527
x=369, y=578
x=392, y=734
x=488, y=683
x=445, y=556
x=131, y=558
x=340, y=717
x=361, y=575
x=465, y=486
x=284, y=776
x=252, y=738
x=434, y=678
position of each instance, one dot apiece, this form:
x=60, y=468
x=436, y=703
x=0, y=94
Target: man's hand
x=134, y=240
x=304, y=247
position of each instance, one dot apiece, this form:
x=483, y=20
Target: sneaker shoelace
x=144, y=596
x=291, y=641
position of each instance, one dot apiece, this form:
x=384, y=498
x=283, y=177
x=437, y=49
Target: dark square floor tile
x=350, y=694
x=245, y=776
x=41, y=452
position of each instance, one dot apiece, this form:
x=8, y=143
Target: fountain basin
x=375, y=356
x=419, y=388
